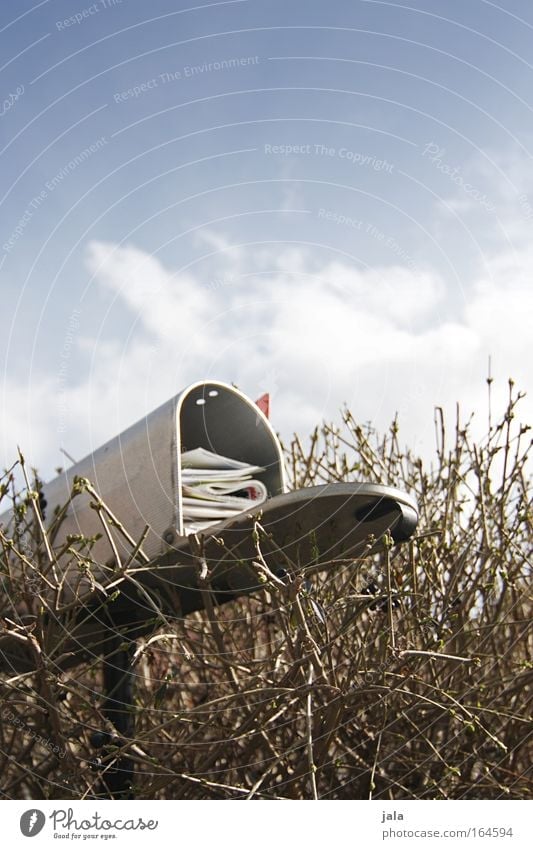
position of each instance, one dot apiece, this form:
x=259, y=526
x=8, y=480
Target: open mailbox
x=138, y=474
x=138, y=477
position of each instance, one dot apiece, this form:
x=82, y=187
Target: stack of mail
x=215, y=488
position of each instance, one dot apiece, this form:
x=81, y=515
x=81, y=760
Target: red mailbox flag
x=264, y=404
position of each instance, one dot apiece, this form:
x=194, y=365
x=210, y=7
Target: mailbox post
x=138, y=477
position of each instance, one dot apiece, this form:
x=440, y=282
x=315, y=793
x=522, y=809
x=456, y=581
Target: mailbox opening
x=222, y=420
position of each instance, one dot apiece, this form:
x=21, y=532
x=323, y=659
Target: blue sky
x=330, y=201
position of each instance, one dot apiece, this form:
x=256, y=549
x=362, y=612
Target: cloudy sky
x=331, y=201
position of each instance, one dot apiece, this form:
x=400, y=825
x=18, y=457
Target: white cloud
x=378, y=339
x=28, y=420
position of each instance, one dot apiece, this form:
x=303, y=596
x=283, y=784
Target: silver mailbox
x=138, y=473
x=138, y=476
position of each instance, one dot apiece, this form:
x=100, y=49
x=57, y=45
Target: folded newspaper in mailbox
x=216, y=488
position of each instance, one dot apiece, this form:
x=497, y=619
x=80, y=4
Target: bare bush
x=403, y=675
